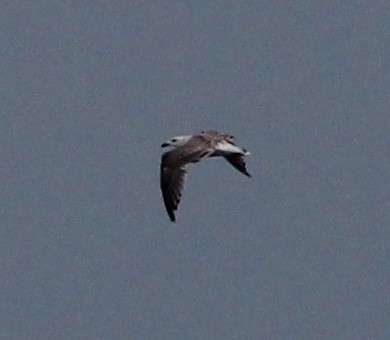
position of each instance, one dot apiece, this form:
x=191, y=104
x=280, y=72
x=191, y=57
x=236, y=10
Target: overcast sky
x=90, y=90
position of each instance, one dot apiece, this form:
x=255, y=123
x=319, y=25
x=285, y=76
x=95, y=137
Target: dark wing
x=238, y=161
x=172, y=183
x=173, y=172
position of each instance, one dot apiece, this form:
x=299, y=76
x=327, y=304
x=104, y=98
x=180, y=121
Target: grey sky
x=90, y=89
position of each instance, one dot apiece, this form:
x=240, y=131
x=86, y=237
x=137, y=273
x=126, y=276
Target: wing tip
x=171, y=213
x=172, y=217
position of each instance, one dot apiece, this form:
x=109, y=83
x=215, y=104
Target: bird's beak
x=163, y=145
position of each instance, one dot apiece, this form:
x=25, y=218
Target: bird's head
x=176, y=141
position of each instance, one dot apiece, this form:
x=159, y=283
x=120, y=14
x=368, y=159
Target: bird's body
x=192, y=149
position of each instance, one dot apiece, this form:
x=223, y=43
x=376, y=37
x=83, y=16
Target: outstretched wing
x=172, y=184
x=238, y=161
x=173, y=171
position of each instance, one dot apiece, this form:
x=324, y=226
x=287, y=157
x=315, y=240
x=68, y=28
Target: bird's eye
x=174, y=140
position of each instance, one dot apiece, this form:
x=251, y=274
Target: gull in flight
x=192, y=149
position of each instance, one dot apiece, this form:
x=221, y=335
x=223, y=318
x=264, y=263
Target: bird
x=188, y=149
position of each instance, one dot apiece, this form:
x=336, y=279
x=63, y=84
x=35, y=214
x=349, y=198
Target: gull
x=192, y=149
